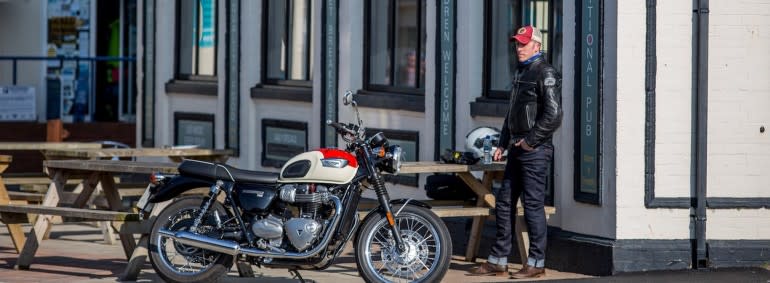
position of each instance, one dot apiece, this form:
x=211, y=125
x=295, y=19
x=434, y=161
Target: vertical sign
x=445, y=122
x=329, y=108
x=232, y=109
x=148, y=77
x=590, y=49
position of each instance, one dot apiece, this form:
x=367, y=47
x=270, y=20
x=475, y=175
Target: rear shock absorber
x=212, y=197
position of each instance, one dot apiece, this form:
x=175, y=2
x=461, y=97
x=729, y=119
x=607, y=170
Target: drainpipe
x=700, y=83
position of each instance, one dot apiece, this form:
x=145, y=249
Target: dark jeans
x=525, y=176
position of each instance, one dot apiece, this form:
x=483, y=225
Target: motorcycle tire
x=212, y=272
x=413, y=222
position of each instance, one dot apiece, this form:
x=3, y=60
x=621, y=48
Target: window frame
x=266, y=80
x=421, y=27
x=177, y=44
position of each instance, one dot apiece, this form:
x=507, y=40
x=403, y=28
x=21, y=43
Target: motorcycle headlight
x=397, y=158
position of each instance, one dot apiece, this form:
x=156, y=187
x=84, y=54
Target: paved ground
x=76, y=253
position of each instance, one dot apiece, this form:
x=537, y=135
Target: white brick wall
x=739, y=95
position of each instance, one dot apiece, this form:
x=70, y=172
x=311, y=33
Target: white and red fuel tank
x=326, y=165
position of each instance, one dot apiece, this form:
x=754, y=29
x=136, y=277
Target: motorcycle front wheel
x=427, y=254
x=175, y=262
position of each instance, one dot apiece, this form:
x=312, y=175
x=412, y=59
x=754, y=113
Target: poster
x=17, y=103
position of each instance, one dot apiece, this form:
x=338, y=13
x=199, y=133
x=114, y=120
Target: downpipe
x=233, y=248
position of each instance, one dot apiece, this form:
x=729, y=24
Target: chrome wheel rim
x=423, y=249
x=179, y=258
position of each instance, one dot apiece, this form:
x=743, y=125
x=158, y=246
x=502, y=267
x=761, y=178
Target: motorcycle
x=298, y=219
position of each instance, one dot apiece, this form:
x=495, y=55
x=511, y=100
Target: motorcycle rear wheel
x=426, y=258
x=175, y=262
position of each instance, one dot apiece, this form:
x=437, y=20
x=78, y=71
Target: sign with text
x=281, y=141
x=194, y=129
x=589, y=99
x=445, y=123
x=17, y=103
x=329, y=137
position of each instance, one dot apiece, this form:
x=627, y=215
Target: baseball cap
x=526, y=34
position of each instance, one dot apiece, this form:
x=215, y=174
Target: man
x=534, y=114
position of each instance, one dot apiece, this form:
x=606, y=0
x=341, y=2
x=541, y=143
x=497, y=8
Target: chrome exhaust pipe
x=233, y=248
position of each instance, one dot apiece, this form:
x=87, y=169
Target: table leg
x=139, y=255
x=521, y=233
x=113, y=199
x=41, y=224
x=484, y=199
x=14, y=230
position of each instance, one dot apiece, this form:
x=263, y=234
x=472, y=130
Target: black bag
x=447, y=187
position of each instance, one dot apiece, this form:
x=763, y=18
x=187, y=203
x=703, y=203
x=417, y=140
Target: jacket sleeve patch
x=549, y=82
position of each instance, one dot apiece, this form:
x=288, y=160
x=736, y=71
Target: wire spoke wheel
x=425, y=255
x=177, y=262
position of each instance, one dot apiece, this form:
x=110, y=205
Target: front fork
x=384, y=198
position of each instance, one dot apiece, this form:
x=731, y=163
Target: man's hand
x=524, y=145
x=498, y=154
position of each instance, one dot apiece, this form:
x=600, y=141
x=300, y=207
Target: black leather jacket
x=535, y=105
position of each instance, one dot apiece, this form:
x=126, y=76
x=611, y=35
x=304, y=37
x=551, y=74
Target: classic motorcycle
x=299, y=219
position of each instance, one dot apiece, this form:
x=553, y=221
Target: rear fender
x=175, y=187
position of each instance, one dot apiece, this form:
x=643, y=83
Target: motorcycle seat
x=213, y=172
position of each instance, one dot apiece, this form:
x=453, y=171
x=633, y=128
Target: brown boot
x=528, y=272
x=488, y=269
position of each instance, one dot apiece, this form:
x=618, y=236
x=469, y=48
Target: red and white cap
x=526, y=34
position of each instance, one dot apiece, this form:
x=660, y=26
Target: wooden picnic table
x=48, y=145
x=14, y=229
x=175, y=154
x=94, y=173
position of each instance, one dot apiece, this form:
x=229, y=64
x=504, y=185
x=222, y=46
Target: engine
x=301, y=217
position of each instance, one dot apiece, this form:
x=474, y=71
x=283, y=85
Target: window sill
x=489, y=107
x=192, y=87
x=301, y=94
x=389, y=100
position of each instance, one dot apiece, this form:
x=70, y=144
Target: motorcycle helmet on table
x=474, y=140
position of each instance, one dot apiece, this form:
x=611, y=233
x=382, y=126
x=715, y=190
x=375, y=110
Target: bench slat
x=83, y=213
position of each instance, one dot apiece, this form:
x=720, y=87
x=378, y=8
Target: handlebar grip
x=340, y=127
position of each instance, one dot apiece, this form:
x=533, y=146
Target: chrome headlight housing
x=396, y=159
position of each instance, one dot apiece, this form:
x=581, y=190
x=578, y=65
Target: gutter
x=700, y=101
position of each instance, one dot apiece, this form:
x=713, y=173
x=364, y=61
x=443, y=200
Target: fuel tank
x=331, y=166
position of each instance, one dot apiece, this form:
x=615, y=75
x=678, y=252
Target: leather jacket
x=535, y=110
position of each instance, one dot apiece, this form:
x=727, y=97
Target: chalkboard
x=194, y=129
x=282, y=140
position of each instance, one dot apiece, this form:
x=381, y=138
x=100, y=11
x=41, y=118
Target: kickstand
x=296, y=275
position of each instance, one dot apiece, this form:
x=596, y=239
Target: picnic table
x=94, y=173
x=48, y=145
x=175, y=154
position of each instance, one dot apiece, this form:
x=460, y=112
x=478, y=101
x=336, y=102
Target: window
x=290, y=42
x=395, y=51
x=503, y=17
x=196, y=39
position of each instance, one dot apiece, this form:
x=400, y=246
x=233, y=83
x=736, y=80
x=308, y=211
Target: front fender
x=394, y=202
x=176, y=186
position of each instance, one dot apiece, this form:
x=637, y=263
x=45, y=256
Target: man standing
x=533, y=116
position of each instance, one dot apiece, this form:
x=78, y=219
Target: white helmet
x=474, y=141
